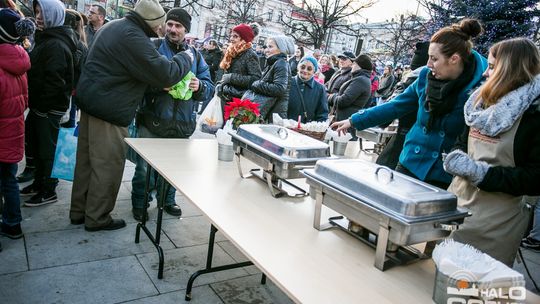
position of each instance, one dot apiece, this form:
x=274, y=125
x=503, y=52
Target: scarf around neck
x=501, y=116
x=232, y=52
x=442, y=95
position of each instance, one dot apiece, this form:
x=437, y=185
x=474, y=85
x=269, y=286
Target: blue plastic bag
x=65, y=155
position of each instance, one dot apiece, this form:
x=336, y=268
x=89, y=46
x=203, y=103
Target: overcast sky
x=388, y=9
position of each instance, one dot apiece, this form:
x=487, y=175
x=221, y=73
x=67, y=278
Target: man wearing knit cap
x=122, y=62
x=163, y=115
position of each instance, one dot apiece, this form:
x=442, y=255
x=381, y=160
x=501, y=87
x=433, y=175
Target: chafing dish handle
x=452, y=226
x=387, y=169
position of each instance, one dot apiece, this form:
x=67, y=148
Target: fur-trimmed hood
x=501, y=116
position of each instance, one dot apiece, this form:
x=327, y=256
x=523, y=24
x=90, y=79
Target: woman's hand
x=341, y=126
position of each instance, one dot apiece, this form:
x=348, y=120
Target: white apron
x=498, y=219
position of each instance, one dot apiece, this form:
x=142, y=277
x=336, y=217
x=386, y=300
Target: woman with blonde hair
x=326, y=67
x=240, y=63
x=498, y=157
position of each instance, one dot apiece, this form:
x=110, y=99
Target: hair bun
x=255, y=28
x=471, y=27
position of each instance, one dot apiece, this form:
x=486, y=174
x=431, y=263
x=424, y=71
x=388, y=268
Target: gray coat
x=353, y=95
x=121, y=63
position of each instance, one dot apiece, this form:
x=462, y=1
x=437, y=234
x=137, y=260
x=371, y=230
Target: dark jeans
x=401, y=169
x=41, y=135
x=138, y=182
x=11, y=214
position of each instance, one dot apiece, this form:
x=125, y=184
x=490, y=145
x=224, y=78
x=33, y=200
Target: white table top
x=277, y=235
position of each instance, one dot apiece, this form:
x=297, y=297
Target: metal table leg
x=210, y=269
x=142, y=225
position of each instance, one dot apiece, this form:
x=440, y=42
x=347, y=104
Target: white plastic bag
x=211, y=118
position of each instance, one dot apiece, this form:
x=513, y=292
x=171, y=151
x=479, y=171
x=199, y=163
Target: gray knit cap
x=285, y=44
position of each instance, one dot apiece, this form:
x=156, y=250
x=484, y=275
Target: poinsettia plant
x=242, y=112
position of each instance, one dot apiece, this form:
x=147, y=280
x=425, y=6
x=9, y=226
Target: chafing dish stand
x=390, y=210
x=280, y=152
x=377, y=135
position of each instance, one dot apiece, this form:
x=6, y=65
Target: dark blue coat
x=165, y=116
x=422, y=149
x=315, y=100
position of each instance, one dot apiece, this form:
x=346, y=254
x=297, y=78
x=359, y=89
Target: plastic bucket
x=339, y=148
x=225, y=152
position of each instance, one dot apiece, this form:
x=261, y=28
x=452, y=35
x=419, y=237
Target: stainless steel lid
x=383, y=188
x=282, y=142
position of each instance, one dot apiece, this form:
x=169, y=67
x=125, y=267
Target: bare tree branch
x=312, y=21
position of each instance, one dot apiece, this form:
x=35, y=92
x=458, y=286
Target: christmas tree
x=502, y=19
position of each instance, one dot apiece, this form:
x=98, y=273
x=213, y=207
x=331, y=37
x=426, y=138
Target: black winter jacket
x=244, y=71
x=121, y=63
x=275, y=82
x=50, y=80
x=213, y=58
x=353, y=94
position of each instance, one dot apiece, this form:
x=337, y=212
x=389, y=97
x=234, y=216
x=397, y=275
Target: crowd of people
x=466, y=123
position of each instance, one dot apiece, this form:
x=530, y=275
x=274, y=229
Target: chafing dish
x=386, y=209
x=376, y=135
x=281, y=153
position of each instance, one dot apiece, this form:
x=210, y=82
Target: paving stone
x=181, y=263
x=77, y=245
x=250, y=290
x=107, y=281
x=52, y=217
x=205, y=295
x=13, y=256
x=190, y=231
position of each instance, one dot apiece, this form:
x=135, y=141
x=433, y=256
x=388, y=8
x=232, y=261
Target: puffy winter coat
x=275, y=82
x=51, y=79
x=14, y=63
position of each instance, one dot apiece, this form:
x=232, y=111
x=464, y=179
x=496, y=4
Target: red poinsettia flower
x=242, y=111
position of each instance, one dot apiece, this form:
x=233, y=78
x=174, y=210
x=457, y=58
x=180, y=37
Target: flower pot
x=225, y=152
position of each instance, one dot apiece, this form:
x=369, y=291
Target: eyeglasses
x=305, y=67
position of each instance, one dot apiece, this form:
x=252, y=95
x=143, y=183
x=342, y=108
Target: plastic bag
x=181, y=91
x=65, y=155
x=211, y=118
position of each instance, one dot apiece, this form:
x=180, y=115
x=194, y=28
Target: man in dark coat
x=121, y=63
x=163, y=115
x=354, y=94
x=343, y=74
x=50, y=82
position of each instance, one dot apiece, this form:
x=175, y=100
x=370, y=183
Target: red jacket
x=14, y=62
